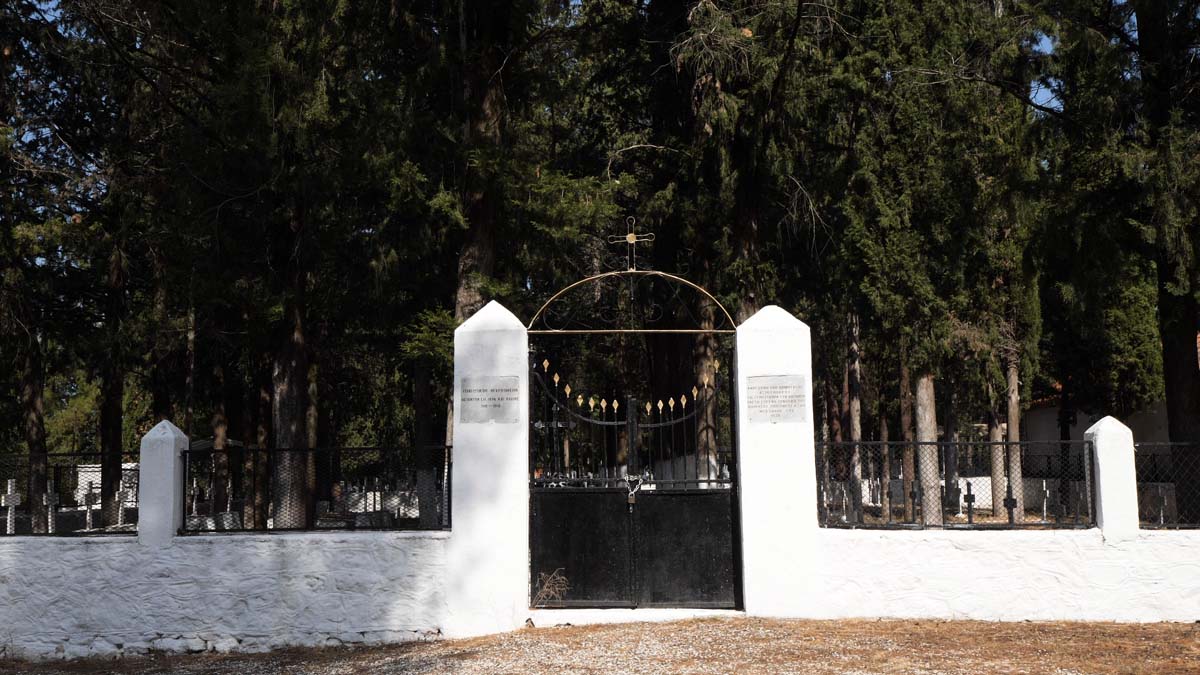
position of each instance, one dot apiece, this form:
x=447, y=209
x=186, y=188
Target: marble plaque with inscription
x=489, y=398
x=777, y=398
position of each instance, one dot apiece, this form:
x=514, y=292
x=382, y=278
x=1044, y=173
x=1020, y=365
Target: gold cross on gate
x=632, y=239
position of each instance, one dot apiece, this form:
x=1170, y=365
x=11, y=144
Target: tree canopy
x=263, y=220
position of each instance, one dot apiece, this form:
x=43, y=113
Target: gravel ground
x=736, y=645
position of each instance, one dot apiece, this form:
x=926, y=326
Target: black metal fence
x=64, y=494
x=1168, y=484
x=279, y=489
x=967, y=484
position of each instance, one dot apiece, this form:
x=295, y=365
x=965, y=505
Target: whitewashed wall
x=1006, y=575
x=1149, y=424
x=76, y=596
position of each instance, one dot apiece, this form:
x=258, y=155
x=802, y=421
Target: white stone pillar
x=160, y=484
x=776, y=463
x=1116, y=479
x=487, y=556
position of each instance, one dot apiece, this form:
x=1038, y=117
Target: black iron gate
x=632, y=503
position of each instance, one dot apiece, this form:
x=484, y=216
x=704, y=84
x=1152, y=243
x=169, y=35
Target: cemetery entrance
x=633, y=474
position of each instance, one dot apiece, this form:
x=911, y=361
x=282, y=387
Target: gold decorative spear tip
x=695, y=392
x=592, y=403
x=546, y=365
x=556, y=379
x=567, y=390
x=579, y=400
x=671, y=404
x=660, y=406
x=648, y=407
x=683, y=400
x=604, y=404
x=616, y=404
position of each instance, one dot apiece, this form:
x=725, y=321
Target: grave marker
x=90, y=498
x=122, y=497
x=11, y=500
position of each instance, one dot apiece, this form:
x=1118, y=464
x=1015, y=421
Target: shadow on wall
x=104, y=596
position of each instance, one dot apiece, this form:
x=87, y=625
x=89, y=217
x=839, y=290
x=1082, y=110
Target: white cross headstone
x=122, y=497
x=50, y=501
x=90, y=498
x=11, y=500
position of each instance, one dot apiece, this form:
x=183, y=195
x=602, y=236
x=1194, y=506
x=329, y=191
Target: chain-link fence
x=253, y=489
x=966, y=484
x=1168, y=484
x=68, y=494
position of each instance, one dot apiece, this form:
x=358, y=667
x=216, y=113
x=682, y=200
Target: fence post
x=777, y=470
x=1116, y=479
x=487, y=555
x=160, y=484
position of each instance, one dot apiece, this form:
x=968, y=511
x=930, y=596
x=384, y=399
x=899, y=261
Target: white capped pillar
x=1116, y=479
x=777, y=476
x=487, y=556
x=160, y=484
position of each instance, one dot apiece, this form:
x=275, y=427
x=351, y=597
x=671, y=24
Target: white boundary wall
x=1112, y=573
x=1005, y=575
x=76, y=596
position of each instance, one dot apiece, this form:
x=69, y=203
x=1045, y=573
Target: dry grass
x=729, y=646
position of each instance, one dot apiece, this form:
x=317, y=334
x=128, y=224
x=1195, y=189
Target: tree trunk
x=189, y=384
x=854, y=413
x=220, y=431
x=428, y=503
x=33, y=412
x=927, y=457
x=1013, y=373
x=885, y=465
x=996, y=452
x=160, y=374
x=703, y=355
x=951, y=449
x=908, y=459
x=290, y=400
x=254, y=508
x=112, y=395
x=317, y=468
x=1066, y=420
x=483, y=102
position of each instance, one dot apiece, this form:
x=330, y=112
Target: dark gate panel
x=584, y=536
x=685, y=549
x=632, y=501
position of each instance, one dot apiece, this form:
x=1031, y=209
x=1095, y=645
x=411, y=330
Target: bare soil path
x=724, y=645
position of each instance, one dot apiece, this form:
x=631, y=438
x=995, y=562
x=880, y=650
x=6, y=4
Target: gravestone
x=11, y=500
x=122, y=497
x=90, y=499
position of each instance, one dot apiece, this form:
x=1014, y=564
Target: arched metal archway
x=726, y=326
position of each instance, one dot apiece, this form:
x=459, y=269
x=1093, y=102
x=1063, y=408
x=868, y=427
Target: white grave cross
x=90, y=499
x=11, y=500
x=123, y=497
